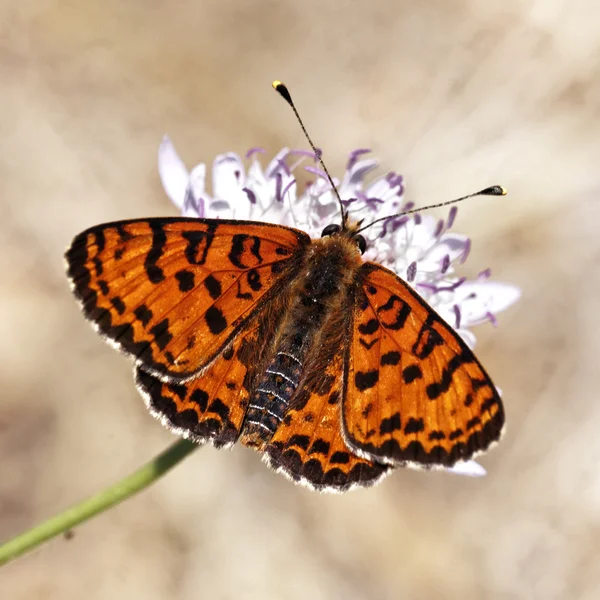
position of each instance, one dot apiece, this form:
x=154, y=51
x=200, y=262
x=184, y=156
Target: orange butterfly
x=332, y=367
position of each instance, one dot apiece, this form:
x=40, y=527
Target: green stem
x=89, y=508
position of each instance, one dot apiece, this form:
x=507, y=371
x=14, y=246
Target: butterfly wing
x=308, y=446
x=415, y=393
x=212, y=405
x=174, y=292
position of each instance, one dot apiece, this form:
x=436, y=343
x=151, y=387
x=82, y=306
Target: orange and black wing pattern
x=173, y=292
x=415, y=394
x=212, y=406
x=308, y=446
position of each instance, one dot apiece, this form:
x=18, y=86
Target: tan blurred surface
x=454, y=95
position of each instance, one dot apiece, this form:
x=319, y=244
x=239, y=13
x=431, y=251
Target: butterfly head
x=349, y=232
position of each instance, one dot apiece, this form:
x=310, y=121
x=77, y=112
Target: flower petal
x=229, y=175
x=173, y=173
x=478, y=298
x=469, y=468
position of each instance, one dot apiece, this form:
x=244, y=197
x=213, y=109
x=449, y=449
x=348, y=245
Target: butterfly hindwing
x=309, y=447
x=212, y=405
x=415, y=392
x=173, y=292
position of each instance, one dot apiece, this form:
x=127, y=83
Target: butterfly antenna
x=285, y=94
x=494, y=190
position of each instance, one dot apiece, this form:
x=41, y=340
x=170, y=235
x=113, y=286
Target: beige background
x=455, y=95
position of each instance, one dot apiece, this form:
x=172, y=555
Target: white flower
x=419, y=248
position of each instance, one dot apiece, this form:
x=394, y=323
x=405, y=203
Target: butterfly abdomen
x=270, y=402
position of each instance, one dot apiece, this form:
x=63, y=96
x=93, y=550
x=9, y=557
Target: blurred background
x=455, y=95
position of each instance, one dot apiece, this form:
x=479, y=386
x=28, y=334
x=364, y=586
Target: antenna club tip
x=494, y=190
x=281, y=88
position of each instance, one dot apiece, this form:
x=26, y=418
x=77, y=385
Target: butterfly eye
x=331, y=229
x=361, y=243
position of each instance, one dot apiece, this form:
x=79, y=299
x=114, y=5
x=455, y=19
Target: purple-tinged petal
x=452, y=287
x=451, y=217
x=251, y=195
x=451, y=244
x=306, y=153
x=317, y=172
x=275, y=164
x=287, y=187
x=411, y=272
x=492, y=318
x=430, y=287
x=457, y=316
x=354, y=177
x=256, y=150
x=445, y=263
x=485, y=274
x=438, y=228
x=278, y=186
x=173, y=172
x=465, y=253
x=353, y=157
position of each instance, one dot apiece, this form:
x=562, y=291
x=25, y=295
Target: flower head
x=419, y=248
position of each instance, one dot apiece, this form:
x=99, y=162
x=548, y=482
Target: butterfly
x=332, y=367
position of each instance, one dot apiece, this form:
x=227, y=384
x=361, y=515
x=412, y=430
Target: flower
x=419, y=248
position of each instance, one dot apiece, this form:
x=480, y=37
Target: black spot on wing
x=473, y=423
x=365, y=380
x=427, y=339
x=161, y=333
x=185, y=280
x=253, y=279
x=218, y=407
x=369, y=327
x=199, y=397
x=319, y=446
x=414, y=426
x=103, y=287
x=436, y=389
x=159, y=239
x=144, y=314
x=213, y=286
x=302, y=441
x=455, y=434
x=391, y=358
x=215, y=320
x=198, y=244
x=368, y=345
x=339, y=458
x=390, y=424
x=118, y=304
x=412, y=373
x=402, y=309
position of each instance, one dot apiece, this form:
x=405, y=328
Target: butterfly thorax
x=312, y=324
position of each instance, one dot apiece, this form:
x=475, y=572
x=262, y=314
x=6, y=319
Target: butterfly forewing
x=415, y=393
x=174, y=292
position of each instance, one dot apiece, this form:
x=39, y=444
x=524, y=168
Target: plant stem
x=102, y=501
